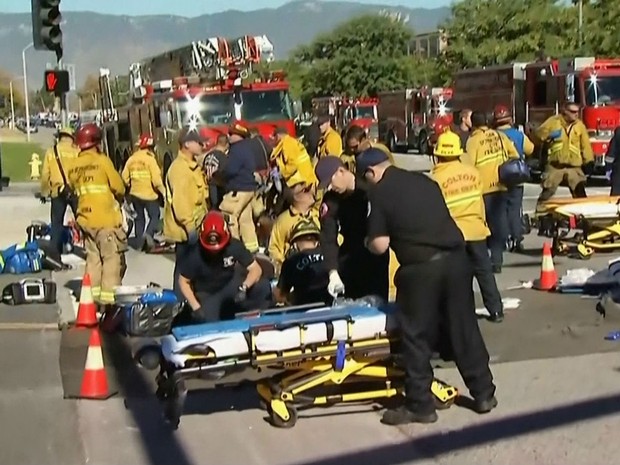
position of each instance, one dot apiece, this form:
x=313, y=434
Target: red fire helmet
x=145, y=141
x=87, y=136
x=214, y=232
x=501, y=113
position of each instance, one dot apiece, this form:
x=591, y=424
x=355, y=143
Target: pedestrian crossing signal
x=57, y=81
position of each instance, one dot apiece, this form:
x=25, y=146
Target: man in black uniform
x=213, y=165
x=353, y=270
x=434, y=284
x=221, y=274
x=304, y=278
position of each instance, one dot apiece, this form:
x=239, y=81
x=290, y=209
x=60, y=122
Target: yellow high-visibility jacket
x=573, y=148
x=51, y=177
x=142, y=176
x=291, y=157
x=330, y=144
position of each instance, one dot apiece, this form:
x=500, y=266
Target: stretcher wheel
x=584, y=252
x=439, y=405
x=279, y=422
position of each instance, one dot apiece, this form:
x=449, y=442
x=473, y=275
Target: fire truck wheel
x=391, y=143
x=423, y=144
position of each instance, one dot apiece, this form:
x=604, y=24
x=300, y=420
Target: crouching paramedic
x=142, y=176
x=302, y=207
x=487, y=150
x=221, y=274
x=98, y=187
x=570, y=155
x=54, y=184
x=461, y=187
x=186, y=192
x=304, y=277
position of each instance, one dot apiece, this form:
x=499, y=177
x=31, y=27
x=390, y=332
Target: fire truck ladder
x=108, y=112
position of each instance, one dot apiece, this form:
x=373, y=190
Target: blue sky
x=186, y=7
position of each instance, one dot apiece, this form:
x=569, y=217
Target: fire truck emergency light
x=57, y=81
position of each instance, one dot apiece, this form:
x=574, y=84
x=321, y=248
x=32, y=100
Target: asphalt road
x=532, y=425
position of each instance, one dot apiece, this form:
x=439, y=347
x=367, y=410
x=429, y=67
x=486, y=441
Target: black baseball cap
x=191, y=135
x=326, y=168
x=369, y=157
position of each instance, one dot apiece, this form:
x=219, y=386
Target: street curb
x=65, y=299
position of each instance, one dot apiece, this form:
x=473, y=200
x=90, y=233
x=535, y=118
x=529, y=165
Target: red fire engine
x=346, y=111
x=206, y=85
x=536, y=90
x=408, y=118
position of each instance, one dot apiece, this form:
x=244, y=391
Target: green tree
x=488, y=32
x=600, y=29
x=361, y=57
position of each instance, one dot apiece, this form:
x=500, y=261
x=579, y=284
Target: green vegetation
x=369, y=53
x=15, y=158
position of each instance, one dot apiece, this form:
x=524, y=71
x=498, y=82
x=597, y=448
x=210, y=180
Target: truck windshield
x=211, y=109
x=365, y=112
x=602, y=90
x=266, y=105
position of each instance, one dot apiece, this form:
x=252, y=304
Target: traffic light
x=57, y=81
x=46, y=33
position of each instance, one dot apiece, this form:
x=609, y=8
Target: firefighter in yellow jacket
x=357, y=141
x=303, y=207
x=461, y=186
x=54, y=184
x=330, y=142
x=142, y=177
x=98, y=185
x=487, y=150
x=186, y=198
x=570, y=157
x=291, y=157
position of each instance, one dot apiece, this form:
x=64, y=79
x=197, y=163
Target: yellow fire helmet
x=303, y=228
x=448, y=145
x=66, y=131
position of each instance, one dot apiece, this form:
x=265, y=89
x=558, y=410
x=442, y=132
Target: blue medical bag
x=151, y=315
x=514, y=172
x=22, y=258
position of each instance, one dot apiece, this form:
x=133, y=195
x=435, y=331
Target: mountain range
x=93, y=41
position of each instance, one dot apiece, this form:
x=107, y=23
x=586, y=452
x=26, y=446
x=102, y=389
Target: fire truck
x=407, y=118
x=205, y=85
x=536, y=90
x=345, y=112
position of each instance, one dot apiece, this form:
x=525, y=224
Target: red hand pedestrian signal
x=57, y=81
x=51, y=80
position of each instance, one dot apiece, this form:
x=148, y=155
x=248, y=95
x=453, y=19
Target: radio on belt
x=30, y=291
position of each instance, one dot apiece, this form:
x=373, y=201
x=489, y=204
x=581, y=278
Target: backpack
x=22, y=258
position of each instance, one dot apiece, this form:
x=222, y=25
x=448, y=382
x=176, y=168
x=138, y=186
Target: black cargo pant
x=221, y=305
x=514, y=210
x=364, y=273
x=435, y=294
x=495, y=209
x=181, y=250
x=57, y=216
x=483, y=272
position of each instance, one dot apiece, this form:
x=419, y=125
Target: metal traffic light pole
x=64, y=117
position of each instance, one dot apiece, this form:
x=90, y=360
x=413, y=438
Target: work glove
x=335, y=286
x=192, y=237
x=555, y=134
x=241, y=295
x=588, y=168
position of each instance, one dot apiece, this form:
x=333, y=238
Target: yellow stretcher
x=320, y=357
x=595, y=220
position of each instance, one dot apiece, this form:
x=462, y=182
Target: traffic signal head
x=57, y=81
x=46, y=33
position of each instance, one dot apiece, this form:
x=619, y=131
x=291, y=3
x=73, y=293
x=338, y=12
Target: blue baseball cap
x=326, y=168
x=369, y=157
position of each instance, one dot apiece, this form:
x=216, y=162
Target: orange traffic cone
x=95, y=380
x=548, y=276
x=87, y=310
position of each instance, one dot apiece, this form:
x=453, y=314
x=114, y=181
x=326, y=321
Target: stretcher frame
x=366, y=369
x=592, y=234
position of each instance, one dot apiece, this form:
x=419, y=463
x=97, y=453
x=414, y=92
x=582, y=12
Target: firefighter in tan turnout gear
x=98, y=185
x=142, y=177
x=570, y=157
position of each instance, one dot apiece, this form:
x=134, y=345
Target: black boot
x=402, y=415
